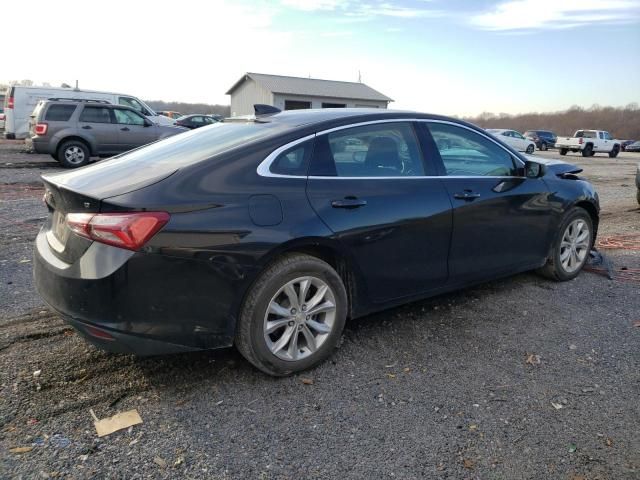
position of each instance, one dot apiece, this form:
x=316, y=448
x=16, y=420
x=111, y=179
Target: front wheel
x=587, y=151
x=543, y=147
x=293, y=316
x=571, y=248
x=614, y=153
x=530, y=149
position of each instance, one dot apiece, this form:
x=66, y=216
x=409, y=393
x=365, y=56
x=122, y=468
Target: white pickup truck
x=589, y=142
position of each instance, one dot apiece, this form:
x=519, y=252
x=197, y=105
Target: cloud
x=362, y=11
x=555, y=14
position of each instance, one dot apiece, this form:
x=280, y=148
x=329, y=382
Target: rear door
x=95, y=122
x=501, y=219
x=368, y=184
x=133, y=131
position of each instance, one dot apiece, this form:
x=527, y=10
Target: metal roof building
x=292, y=93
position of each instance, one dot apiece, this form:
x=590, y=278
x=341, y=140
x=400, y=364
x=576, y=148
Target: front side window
x=517, y=135
x=467, y=153
x=607, y=136
x=133, y=103
x=378, y=150
x=127, y=117
x=60, y=113
x=95, y=115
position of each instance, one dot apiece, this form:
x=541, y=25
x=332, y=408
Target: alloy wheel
x=575, y=245
x=74, y=155
x=299, y=318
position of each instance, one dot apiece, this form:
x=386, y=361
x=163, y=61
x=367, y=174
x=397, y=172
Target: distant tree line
x=622, y=122
x=187, y=108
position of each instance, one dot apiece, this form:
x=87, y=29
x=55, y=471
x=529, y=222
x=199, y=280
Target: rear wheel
x=587, y=151
x=614, y=153
x=563, y=151
x=73, y=154
x=293, y=316
x=530, y=149
x=571, y=248
x=543, y=147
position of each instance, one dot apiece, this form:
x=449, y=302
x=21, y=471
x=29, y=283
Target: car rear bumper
x=38, y=145
x=140, y=303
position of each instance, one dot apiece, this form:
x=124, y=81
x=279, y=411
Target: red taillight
x=124, y=230
x=581, y=140
x=41, y=128
x=10, y=104
x=2, y=116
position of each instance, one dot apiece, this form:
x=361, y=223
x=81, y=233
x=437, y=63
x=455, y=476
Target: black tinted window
x=95, y=115
x=467, y=153
x=293, y=161
x=379, y=150
x=59, y=113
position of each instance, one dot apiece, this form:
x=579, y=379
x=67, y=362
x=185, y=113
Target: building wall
x=316, y=102
x=248, y=94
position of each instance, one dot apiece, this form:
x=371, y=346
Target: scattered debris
x=572, y=447
x=557, y=406
x=572, y=347
x=468, y=464
x=117, y=422
x=532, y=359
x=307, y=381
x=608, y=442
x=636, y=323
x=20, y=449
x=59, y=441
x=37, y=373
x=179, y=461
x=160, y=462
x=390, y=375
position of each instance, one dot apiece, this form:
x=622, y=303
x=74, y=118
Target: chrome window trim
x=264, y=168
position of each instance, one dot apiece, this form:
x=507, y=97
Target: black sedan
x=270, y=233
x=195, y=121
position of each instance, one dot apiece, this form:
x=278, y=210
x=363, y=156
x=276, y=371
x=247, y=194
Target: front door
x=501, y=219
x=367, y=183
x=133, y=131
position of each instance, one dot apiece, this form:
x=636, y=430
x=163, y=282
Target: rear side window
x=293, y=161
x=95, y=115
x=378, y=150
x=59, y=113
x=467, y=153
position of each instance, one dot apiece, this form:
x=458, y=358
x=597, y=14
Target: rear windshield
x=59, y=113
x=586, y=134
x=173, y=153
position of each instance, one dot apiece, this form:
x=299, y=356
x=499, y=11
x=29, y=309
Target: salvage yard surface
x=517, y=378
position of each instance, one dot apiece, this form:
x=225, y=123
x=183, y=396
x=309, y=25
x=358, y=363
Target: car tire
x=638, y=196
x=270, y=319
x=563, y=151
x=614, y=153
x=570, y=251
x=530, y=149
x=73, y=154
x=543, y=147
x=587, y=151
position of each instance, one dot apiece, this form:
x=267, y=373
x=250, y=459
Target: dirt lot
x=519, y=378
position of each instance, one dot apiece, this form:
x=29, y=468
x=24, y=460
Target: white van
x=20, y=101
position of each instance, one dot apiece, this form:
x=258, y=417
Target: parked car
x=195, y=121
x=589, y=142
x=20, y=102
x=261, y=234
x=633, y=147
x=73, y=131
x=170, y=114
x=513, y=139
x=544, y=139
x=638, y=183
x=2, y=118
x=625, y=143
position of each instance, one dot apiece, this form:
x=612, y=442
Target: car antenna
x=262, y=110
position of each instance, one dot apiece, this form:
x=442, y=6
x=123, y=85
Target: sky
x=453, y=57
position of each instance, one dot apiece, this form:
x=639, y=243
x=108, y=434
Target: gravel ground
x=518, y=378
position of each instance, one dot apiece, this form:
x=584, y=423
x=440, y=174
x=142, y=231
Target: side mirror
x=533, y=169
x=147, y=122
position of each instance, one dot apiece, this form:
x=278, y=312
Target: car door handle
x=467, y=195
x=87, y=127
x=348, y=202
x=125, y=129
